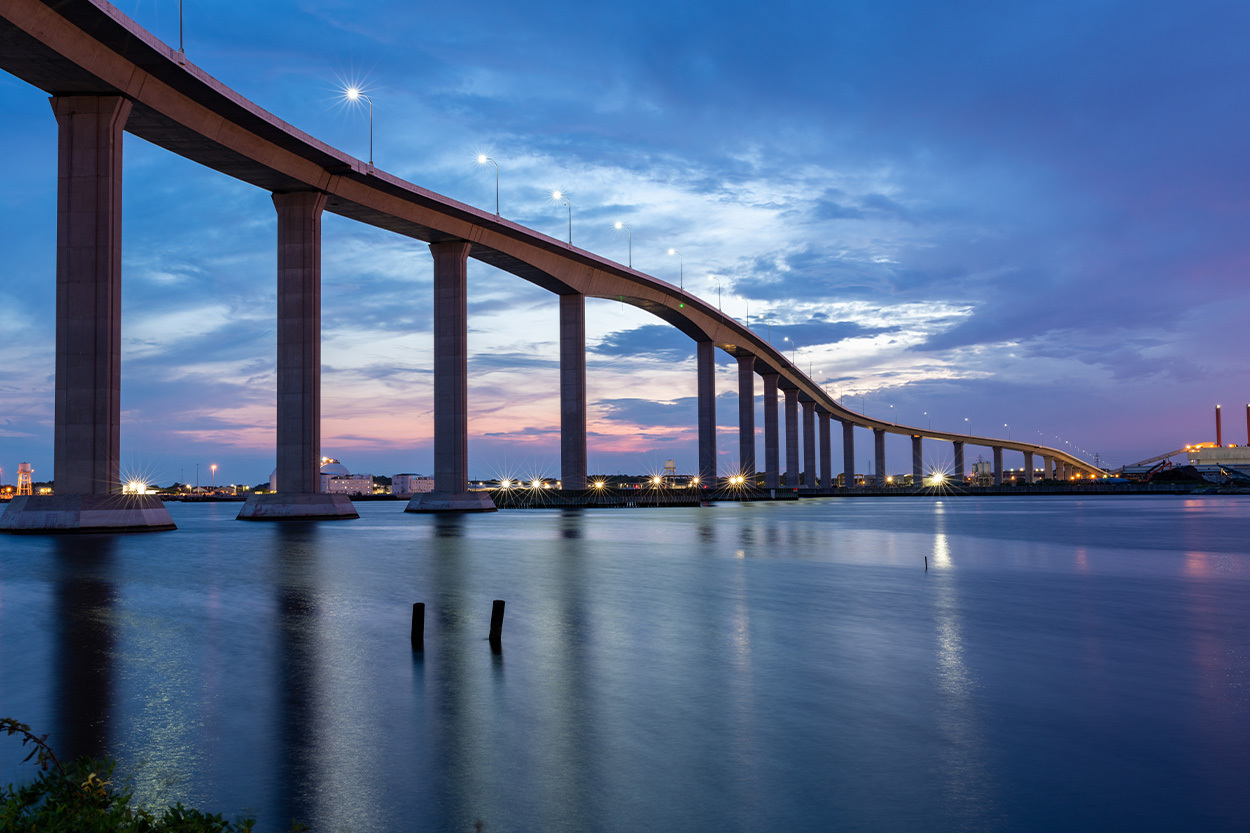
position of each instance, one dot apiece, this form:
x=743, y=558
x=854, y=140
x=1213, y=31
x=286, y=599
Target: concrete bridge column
x=706, y=354
x=451, y=387
x=960, y=471
x=809, y=445
x=878, y=438
x=826, y=452
x=917, y=461
x=746, y=418
x=1061, y=472
x=848, y=454
x=998, y=465
x=792, y=438
x=1048, y=468
x=299, y=371
x=772, y=450
x=87, y=404
x=573, y=391
x=1028, y=467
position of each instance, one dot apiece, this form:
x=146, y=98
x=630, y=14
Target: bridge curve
x=88, y=47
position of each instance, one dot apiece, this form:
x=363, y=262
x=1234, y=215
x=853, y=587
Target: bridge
x=106, y=74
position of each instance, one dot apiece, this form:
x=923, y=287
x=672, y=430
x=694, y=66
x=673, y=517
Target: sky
x=1023, y=219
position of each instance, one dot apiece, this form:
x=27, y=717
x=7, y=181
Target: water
x=1064, y=664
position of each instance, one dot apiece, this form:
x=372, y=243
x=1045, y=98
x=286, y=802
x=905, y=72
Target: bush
x=80, y=797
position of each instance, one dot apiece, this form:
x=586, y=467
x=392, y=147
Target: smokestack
x=1219, y=435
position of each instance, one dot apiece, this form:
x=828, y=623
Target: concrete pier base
x=297, y=507
x=772, y=450
x=451, y=502
x=85, y=513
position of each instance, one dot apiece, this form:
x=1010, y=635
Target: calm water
x=1064, y=664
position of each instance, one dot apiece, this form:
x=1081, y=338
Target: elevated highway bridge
x=106, y=74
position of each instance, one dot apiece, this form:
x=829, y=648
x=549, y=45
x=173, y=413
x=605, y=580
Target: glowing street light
x=355, y=94
x=926, y=413
x=213, y=467
x=563, y=198
x=968, y=427
x=618, y=226
x=1008, y=427
x=793, y=348
x=482, y=159
x=681, y=268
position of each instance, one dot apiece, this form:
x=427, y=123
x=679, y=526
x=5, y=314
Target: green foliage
x=80, y=797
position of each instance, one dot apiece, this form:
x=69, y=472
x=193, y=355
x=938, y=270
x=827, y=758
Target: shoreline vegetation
x=83, y=796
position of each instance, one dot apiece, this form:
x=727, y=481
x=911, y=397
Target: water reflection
x=85, y=644
x=964, y=770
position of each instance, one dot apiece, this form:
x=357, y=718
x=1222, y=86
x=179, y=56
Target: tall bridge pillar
x=1048, y=468
x=1028, y=467
x=573, y=391
x=809, y=445
x=826, y=452
x=87, y=404
x=792, y=438
x=772, y=450
x=706, y=353
x=746, y=418
x=998, y=465
x=299, y=371
x=917, y=460
x=848, y=454
x=451, y=387
x=960, y=472
x=878, y=438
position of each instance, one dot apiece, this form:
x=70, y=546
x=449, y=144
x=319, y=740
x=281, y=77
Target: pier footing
x=61, y=514
x=297, y=507
x=451, y=502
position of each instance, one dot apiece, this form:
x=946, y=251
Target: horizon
x=1005, y=221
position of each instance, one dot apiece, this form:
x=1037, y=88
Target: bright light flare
x=557, y=195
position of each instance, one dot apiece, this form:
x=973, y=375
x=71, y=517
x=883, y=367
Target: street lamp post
x=968, y=427
x=180, y=49
x=482, y=159
x=681, y=268
x=619, y=226
x=926, y=413
x=718, y=287
x=1008, y=427
x=563, y=198
x=355, y=94
x=214, y=469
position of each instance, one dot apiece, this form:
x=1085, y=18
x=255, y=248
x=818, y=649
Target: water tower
x=24, y=471
x=670, y=468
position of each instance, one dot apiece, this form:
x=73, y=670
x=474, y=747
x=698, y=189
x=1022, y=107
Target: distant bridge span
x=105, y=73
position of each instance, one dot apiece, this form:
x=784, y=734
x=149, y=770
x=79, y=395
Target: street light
x=482, y=159
x=713, y=277
x=619, y=225
x=355, y=94
x=180, y=49
x=793, y=348
x=681, y=268
x=214, y=468
x=563, y=198
x=968, y=427
x=926, y=413
x=1008, y=427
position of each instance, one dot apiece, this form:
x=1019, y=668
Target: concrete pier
x=809, y=445
x=772, y=450
x=848, y=454
x=792, y=438
x=87, y=405
x=1028, y=467
x=451, y=387
x=878, y=441
x=573, y=391
x=1048, y=468
x=917, y=460
x=299, y=371
x=960, y=472
x=998, y=465
x=705, y=352
x=746, y=418
x=826, y=452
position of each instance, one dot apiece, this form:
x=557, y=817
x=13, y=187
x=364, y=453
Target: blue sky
x=1012, y=214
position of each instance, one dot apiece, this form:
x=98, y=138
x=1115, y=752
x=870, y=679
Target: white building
x=1232, y=457
x=405, y=485
x=347, y=484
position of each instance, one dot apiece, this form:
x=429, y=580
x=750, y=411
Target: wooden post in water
x=418, y=626
x=496, y=621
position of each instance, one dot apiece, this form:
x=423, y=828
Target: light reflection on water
x=1063, y=664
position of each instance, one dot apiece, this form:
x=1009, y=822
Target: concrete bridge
x=105, y=75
